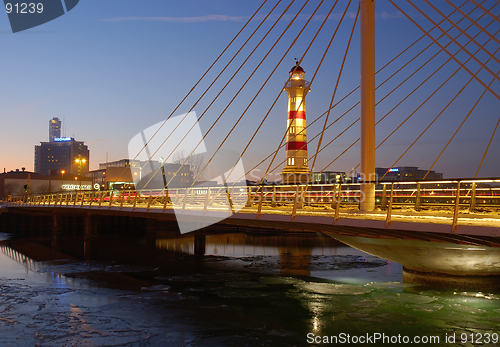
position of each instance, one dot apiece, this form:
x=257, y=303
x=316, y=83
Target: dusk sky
x=110, y=69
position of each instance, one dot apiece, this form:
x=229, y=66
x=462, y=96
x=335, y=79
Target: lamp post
x=80, y=161
x=62, y=179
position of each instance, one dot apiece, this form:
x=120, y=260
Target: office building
x=125, y=173
x=61, y=155
x=64, y=155
x=54, y=129
x=329, y=177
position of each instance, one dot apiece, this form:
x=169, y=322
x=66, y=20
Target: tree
x=196, y=162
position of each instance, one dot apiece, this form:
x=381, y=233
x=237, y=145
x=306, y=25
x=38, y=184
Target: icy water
x=247, y=290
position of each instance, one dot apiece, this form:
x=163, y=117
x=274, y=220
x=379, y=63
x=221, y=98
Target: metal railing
x=448, y=196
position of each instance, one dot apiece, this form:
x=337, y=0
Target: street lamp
x=80, y=161
x=62, y=178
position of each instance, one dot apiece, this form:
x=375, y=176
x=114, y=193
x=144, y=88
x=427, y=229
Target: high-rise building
x=61, y=154
x=54, y=129
x=296, y=168
x=64, y=154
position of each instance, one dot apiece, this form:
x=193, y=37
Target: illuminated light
x=62, y=139
x=393, y=170
x=76, y=187
x=438, y=182
x=478, y=181
x=63, y=172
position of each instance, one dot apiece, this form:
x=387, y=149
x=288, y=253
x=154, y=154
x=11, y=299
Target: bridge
x=456, y=221
x=444, y=226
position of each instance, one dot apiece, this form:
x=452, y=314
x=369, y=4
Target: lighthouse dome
x=298, y=70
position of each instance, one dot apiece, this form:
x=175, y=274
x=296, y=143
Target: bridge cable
x=334, y=92
x=413, y=113
x=454, y=58
x=310, y=124
x=485, y=10
x=345, y=97
x=426, y=101
x=263, y=59
x=474, y=22
x=300, y=60
x=289, y=125
x=220, y=92
x=451, y=139
x=466, y=34
x=209, y=69
x=268, y=170
x=487, y=147
x=259, y=91
x=427, y=128
x=459, y=45
x=406, y=97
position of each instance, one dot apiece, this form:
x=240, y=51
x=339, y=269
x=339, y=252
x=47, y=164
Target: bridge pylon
x=367, y=12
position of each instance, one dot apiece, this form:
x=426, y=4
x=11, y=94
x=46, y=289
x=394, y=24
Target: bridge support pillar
x=89, y=237
x=151, y=227
x=57, y=232
x=200, y=244
x=367, y=10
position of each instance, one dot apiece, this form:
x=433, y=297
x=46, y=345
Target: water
x=247, y=290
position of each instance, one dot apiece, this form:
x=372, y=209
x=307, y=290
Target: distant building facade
x=328, y=177
x=63, y=154
x=15, y=183
x=123, y=173
x=116, y=173
x=406, y=173
x=54, y=129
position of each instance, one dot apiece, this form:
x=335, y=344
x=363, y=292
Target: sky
x=110, y=69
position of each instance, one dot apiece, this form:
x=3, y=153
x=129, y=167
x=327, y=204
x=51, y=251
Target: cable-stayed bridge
x=436, y=100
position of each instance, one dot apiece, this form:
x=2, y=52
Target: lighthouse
x=296, y=168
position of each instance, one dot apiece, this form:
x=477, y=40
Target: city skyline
x=110, y=69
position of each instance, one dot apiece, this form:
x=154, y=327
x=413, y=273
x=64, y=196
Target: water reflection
x=245, y=244
x=308, y=254
x=257, y=289
x=29, y=263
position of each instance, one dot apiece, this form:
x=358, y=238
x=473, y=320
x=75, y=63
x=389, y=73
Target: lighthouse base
x=295, y=176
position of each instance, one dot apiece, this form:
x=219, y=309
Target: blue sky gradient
x=112, y=68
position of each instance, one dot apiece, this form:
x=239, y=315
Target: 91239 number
x=24, y=7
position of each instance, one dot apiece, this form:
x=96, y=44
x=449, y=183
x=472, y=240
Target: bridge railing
x=446, y=196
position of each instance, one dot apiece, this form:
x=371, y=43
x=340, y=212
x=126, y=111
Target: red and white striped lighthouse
x=296, y=169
